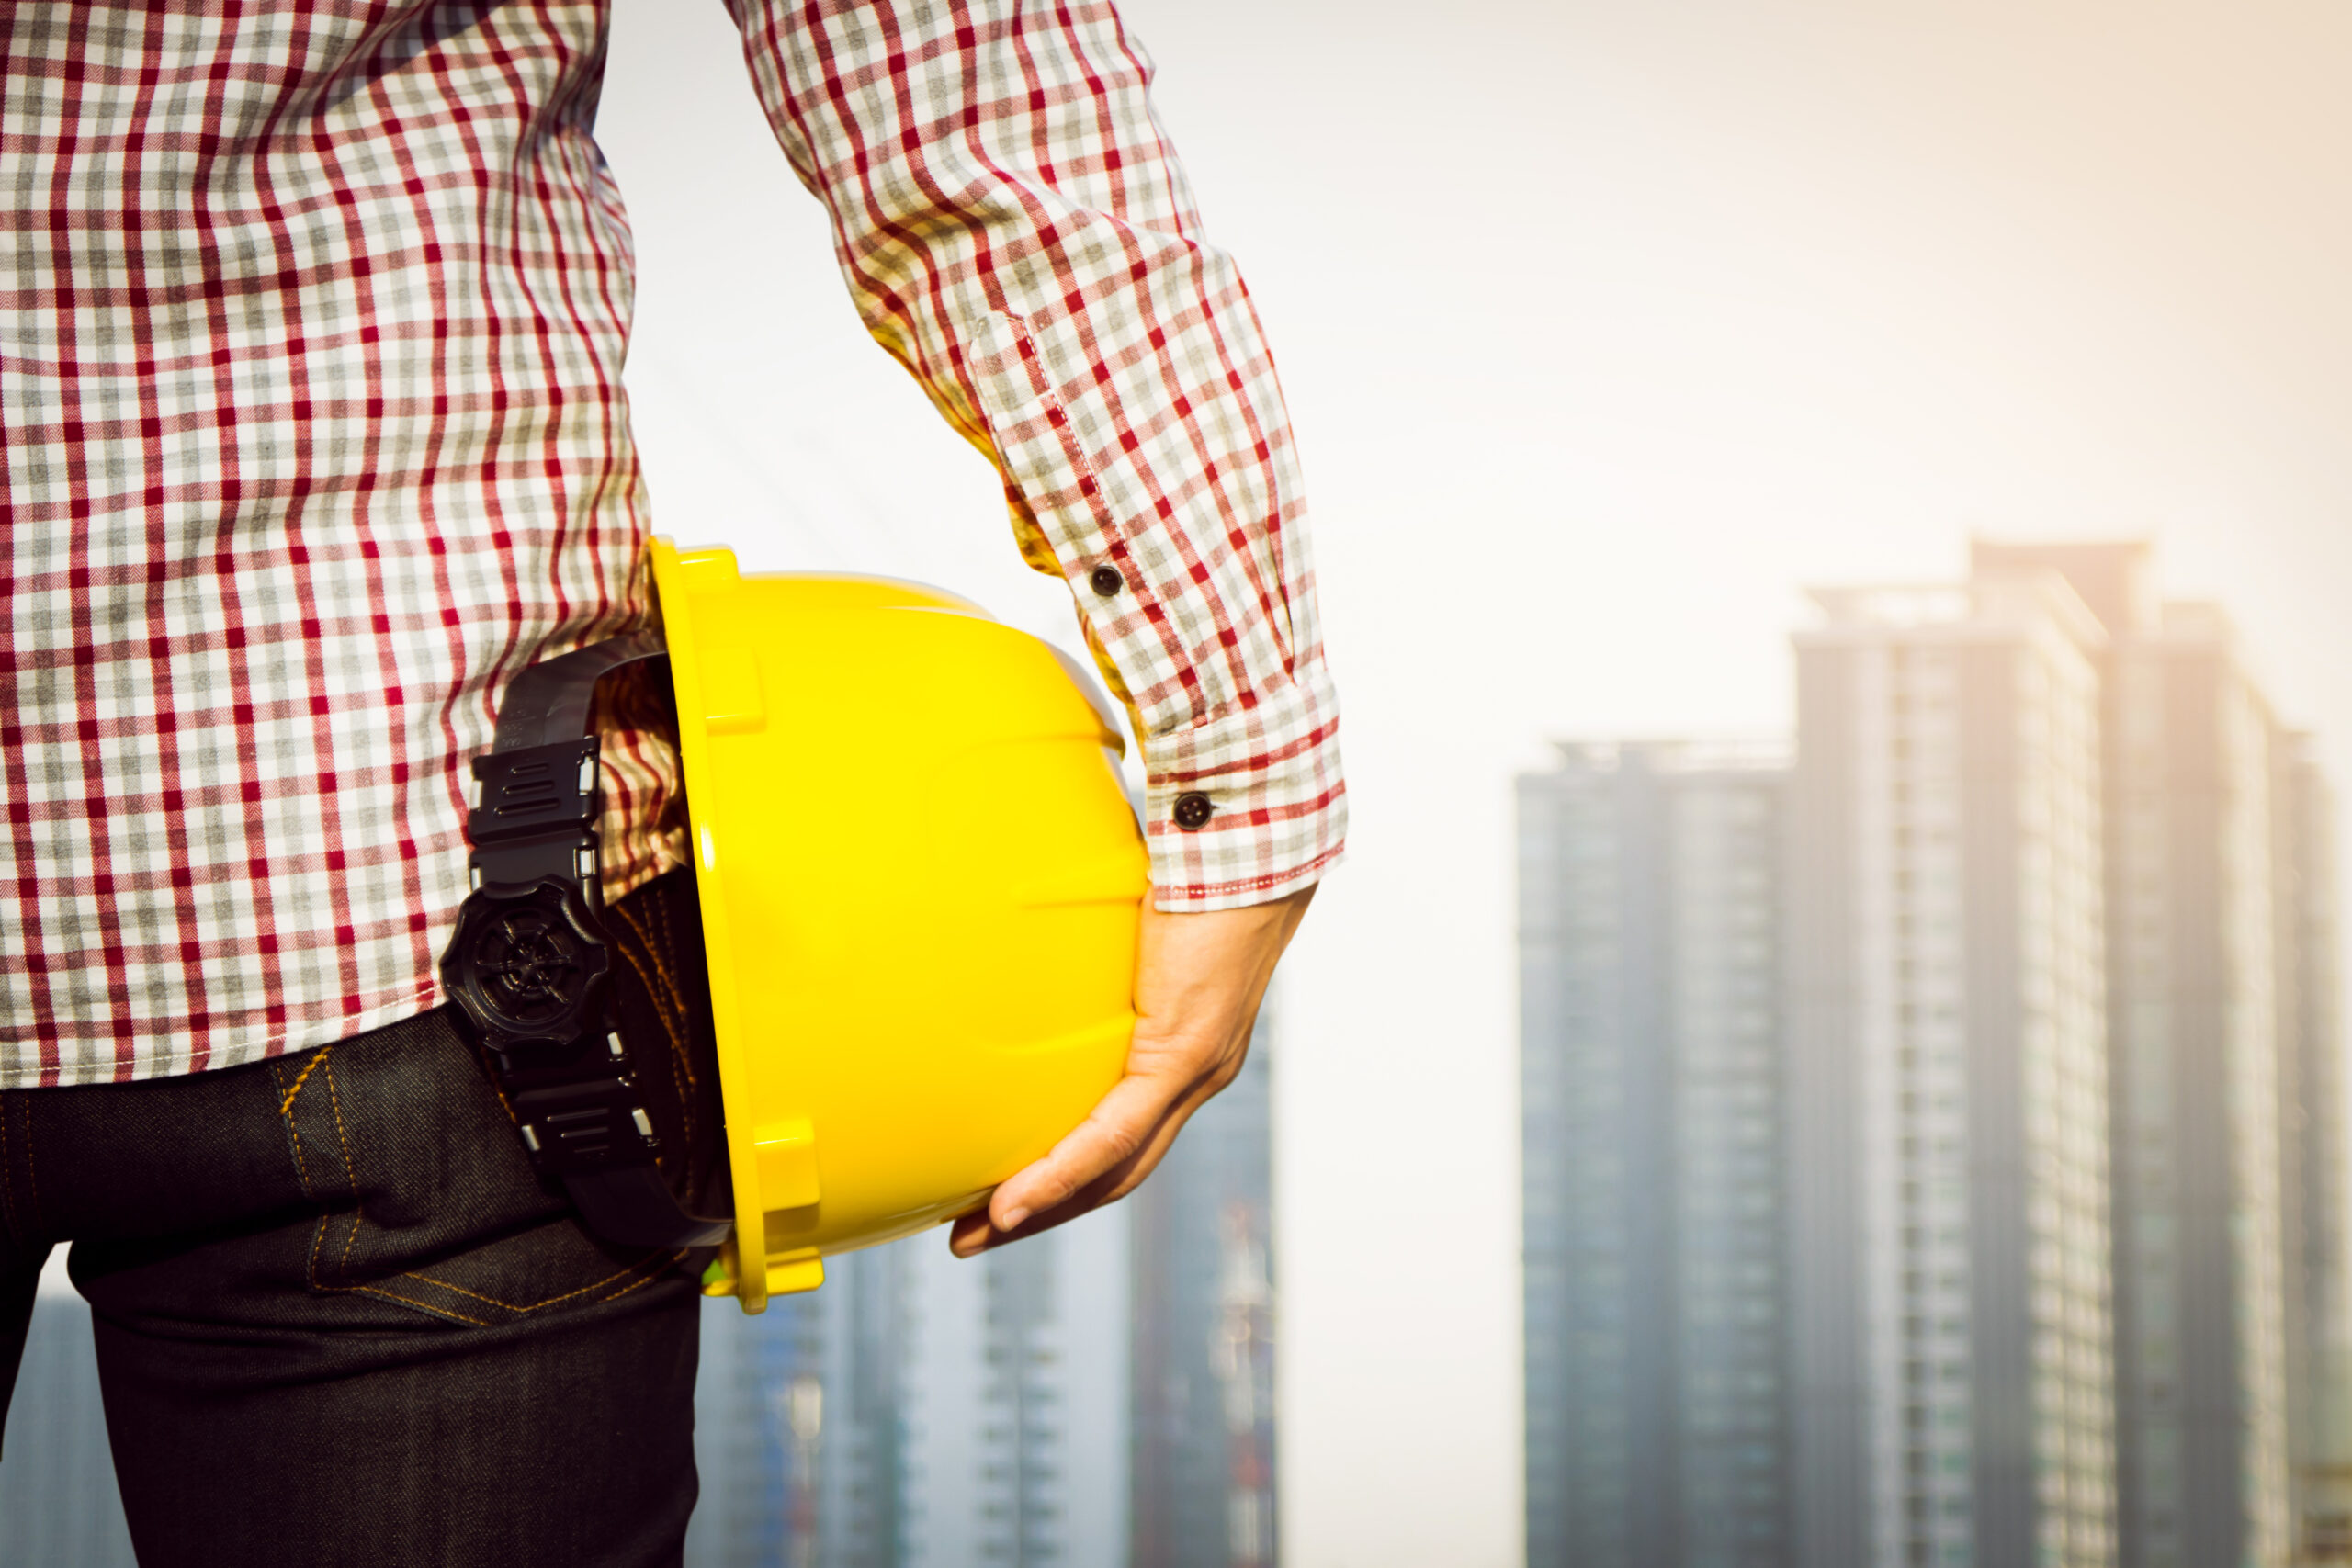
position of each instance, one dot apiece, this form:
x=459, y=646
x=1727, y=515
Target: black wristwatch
x=529, y=963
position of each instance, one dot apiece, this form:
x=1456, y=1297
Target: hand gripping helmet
x=919, y=878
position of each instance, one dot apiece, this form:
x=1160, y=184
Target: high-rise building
x=2313, y=1122
x=1947, y=1093
x=1651, y=1039
x=798, y=1436
x=1204, y=1398
x=919, y=1411
x=2227, y=1217
x=2200, y=1227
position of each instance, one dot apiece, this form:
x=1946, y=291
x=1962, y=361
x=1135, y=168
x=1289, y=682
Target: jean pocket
x=423, y=1194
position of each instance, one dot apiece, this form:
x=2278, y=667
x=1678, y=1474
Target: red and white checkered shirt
x=311, y=398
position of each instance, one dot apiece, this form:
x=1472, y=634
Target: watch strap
x=529, y=963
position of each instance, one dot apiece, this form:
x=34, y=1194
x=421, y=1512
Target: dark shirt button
x=1106, y=581
x=1193, y=811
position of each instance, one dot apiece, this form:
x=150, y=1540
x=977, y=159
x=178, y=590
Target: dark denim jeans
x=339, y=1322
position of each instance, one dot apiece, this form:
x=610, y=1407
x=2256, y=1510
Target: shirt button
x=1106, y=581
x=1193, y=811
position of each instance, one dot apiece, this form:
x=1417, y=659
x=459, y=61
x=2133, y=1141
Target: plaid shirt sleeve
x=1015, y=232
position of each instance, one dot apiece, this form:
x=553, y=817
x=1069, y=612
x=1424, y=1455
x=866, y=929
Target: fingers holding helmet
x=1200, y=978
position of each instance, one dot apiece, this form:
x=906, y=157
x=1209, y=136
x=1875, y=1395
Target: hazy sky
x=1605, y=327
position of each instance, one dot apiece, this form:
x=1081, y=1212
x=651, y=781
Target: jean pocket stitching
x=289, y=1095
x=31, y=1166
x=350, y=1173
x=637, y=1284
x=662, y=1258
x=286, y=1101
x=669, y=1008
x=32, y=1172
x=27, y=1227
x=408, y=1302
x=669, y=995
x=286, y=1098
x=286, y=1114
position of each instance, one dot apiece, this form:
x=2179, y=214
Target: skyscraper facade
x=1948, y=1184
x=1204, y=1395
x=2200, y=1226
x=923, y=1412
x=1650, y=997
x=2319, y=1254
x=798, y=1436
x=2226, y=1079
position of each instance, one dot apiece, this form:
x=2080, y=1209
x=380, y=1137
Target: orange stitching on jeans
x=677, y=994
x=286, y=1107
x=421, y=1306
x=669, y=999
x=510, y=1306
x=626, y=1289
x=388, y=1295
x=660, y=1009
x=301, y=1165
x=683, y=1084
x=350, y=1174
x=32, y=1173
x=670, y=1007
x=672, y=1010
x=483, y=1323
x=7, y=1175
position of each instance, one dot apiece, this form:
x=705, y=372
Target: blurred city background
x=1611, y=332
x=1934, y=1129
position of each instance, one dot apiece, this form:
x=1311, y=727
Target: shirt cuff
x=1249, y=805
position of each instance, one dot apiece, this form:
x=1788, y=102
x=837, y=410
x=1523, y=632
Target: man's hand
x=1199, y=978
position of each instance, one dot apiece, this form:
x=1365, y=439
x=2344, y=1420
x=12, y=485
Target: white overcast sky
x=1605, y=328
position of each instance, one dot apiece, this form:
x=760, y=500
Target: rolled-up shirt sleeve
x=1016, y=232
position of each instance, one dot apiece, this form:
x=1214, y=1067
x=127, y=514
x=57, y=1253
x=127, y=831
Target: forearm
x=1014, y=230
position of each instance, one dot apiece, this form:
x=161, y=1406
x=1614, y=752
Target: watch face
x=525, y=964
x=529, y=965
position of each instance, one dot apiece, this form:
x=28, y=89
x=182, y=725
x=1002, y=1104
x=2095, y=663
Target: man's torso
x=310, y=400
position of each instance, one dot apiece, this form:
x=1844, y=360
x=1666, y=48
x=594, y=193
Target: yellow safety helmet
x=920, y=877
